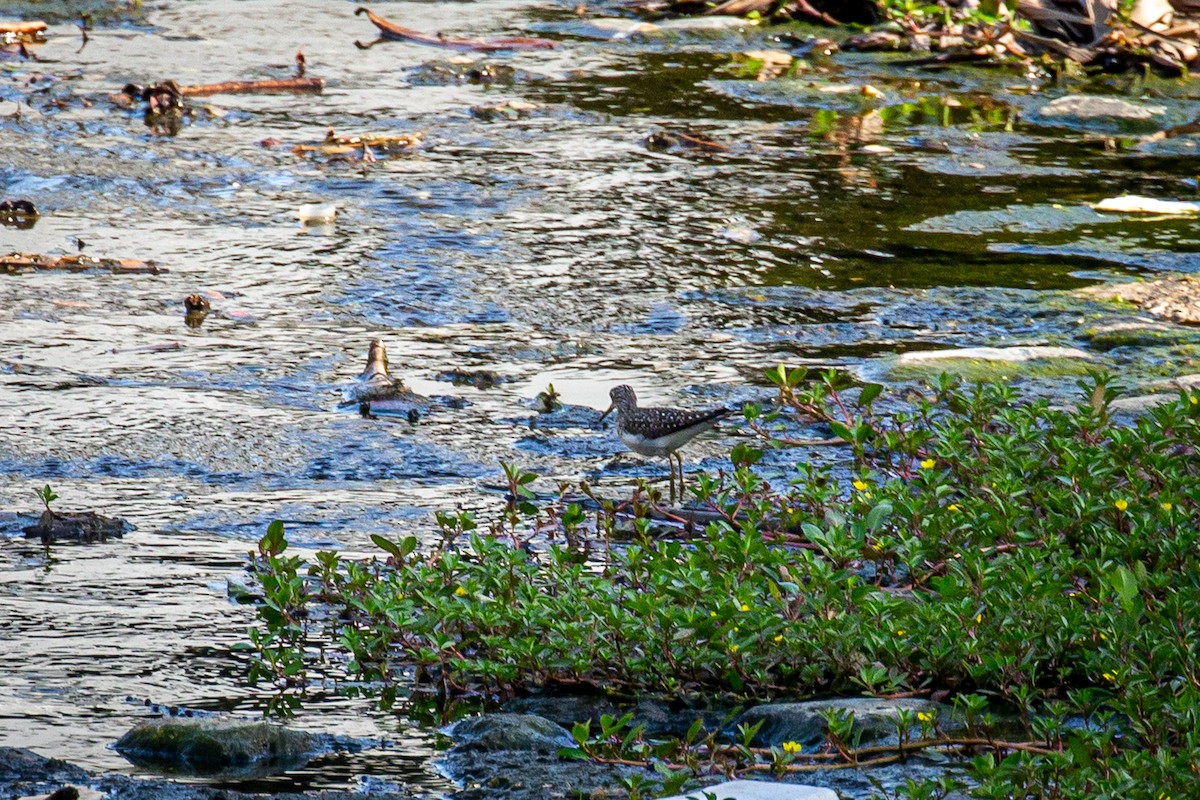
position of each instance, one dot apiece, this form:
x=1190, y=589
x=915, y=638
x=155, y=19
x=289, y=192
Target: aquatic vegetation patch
x=997, y=553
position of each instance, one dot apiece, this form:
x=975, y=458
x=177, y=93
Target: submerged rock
x=508, y=731
x=874, y=719
x=205, y=746
x=1099, y=112
x=24, y=773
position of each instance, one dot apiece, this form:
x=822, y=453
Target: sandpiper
x=658, y=431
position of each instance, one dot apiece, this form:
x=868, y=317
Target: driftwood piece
x=390, y=30
x=16, y=263
x=32, y=29
x=315, y=85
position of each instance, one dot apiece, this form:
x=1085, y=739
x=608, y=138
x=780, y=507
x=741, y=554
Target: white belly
x=661, y=447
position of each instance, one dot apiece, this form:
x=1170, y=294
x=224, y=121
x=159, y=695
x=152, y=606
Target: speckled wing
x=652, y=423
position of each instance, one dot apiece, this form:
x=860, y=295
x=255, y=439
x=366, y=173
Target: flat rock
x=1136, y=333
x=874, y=719
x=1173, y=298
x=1184, y=383
x=1098, y=111
x=609, y=28
x=1141, y=403
x=758, y=790
x=18, y=765
x=1012, y=354
x=713, y=23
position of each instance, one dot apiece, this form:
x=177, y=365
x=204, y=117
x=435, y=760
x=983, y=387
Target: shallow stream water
x=553, y=246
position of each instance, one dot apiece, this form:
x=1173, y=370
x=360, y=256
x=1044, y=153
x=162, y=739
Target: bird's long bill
x=611, y=406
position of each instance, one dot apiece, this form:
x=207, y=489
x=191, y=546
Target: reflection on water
x=548, y=246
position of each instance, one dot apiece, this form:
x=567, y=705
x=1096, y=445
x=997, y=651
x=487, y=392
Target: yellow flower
x=745, y=607
x=1103, y=638
x=778, y=638
x=791, y=747
x=1167, y=506
x=924, y=716
x=712, y=613
x=733, y=648
x=901, y=632
x=953, y=507
x=1121, y=505
x=979, y=617
x=1109, y=676
x=460, y=592
x=862, y=487
x=928, y=463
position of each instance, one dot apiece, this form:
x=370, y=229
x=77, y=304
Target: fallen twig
x=255, y=87
x=390, y=30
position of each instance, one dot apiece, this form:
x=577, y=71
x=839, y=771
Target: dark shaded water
x=837, y=229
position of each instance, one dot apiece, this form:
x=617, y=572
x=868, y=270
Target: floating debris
x=511, y=109
x=366, y=147
x=16, y=263
x=169, y=94
x=661, y=141
x=391, y=31
x=317, y=213
x=19, y=213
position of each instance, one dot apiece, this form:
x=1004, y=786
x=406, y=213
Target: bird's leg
x=671, y=464
x=682, y=496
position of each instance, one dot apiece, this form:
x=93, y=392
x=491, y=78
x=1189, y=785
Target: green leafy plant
x=1036, y=561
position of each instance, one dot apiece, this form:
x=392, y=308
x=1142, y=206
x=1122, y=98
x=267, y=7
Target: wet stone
x=216, y=746
x=1175, y=298
x=508, y=731
x=874, y=719
x=1137, y=333
x=1009, y=354
x=1096, y=111
x=82, y=526
x=758, y=790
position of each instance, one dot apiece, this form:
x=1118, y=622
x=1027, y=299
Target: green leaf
x=841, y=431
x=869, y=393
x=386, y=544
x=877, y=515
x=572, y=754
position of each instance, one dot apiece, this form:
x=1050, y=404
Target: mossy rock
x=1136, y=333
x=993, y=364
x=207, y=746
